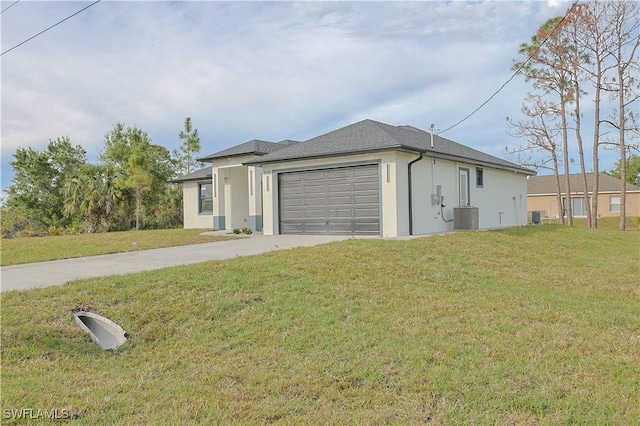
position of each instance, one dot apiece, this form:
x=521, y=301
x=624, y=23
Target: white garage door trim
x=336, y=200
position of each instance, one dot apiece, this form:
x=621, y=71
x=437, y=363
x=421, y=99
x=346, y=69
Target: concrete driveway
x=58, y=272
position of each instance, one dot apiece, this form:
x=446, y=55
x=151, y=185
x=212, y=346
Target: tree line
x=593, y=49
x=57, y=190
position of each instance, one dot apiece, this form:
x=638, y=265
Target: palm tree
x=92, y=194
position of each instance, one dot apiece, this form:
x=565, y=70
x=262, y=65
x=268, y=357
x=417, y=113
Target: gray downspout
x=410, y=192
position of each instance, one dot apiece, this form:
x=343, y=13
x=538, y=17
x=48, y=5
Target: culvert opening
x=104, y=332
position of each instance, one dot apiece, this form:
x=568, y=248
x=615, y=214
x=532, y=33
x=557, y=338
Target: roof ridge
x=369, y=135
x=385, y=128
x=253, y=146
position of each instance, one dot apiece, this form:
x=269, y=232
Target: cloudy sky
x=265, y=70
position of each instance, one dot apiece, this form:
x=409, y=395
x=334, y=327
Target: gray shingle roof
x=544, y=185
x=255, y=147
x=204, y=173
x=373, y=136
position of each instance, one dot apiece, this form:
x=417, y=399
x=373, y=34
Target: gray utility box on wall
x=465, y=218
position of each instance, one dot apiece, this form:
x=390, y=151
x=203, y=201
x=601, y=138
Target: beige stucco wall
x=254, y=175
x=237, y=200
x=633, y=204
x=389, y=222
x=231, y=199
x=394, y=190
x=268, y=201
x=237, y=195
x=548, y=206
x=192, y=219
x=222, y=163
x=501, y=202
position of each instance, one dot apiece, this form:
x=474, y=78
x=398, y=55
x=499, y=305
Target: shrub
x=243, y=230
x=55, y=231
x=15, y=224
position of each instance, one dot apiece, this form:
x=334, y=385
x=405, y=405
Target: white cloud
x=269, y=70
x=556, y=4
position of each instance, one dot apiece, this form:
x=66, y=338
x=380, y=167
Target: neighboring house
x=368, y=178
x=541, y=195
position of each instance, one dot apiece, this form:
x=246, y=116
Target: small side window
x=205, y=199
x=479, y=177
x=614, y=203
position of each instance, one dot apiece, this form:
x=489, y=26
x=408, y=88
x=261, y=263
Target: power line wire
x=47, y=29
x=516, y=72
x=9, y=7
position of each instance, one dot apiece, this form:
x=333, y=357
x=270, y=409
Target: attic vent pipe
x=432, y=130
x=410, y=194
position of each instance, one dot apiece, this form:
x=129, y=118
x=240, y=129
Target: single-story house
x=227, y=194
x=368, y=178
x=541, y=195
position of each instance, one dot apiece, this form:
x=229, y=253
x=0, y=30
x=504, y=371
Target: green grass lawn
x=39, y=249
x=526, y=326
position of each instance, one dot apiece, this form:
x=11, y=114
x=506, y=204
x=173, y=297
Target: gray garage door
x=343, y=200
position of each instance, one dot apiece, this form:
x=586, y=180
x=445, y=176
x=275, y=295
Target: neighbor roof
x=255, y=147
x=197, y=175
x=372, y=136
x=546, y=185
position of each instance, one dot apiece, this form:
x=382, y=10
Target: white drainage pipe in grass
x=106, y=333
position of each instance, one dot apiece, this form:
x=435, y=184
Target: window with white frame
x=205, y=198
x=614, y=203
x=464, y=195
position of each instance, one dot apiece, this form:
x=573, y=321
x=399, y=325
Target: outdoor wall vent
x=104, y=332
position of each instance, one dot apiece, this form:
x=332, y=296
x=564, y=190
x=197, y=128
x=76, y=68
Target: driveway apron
x=58, y=272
